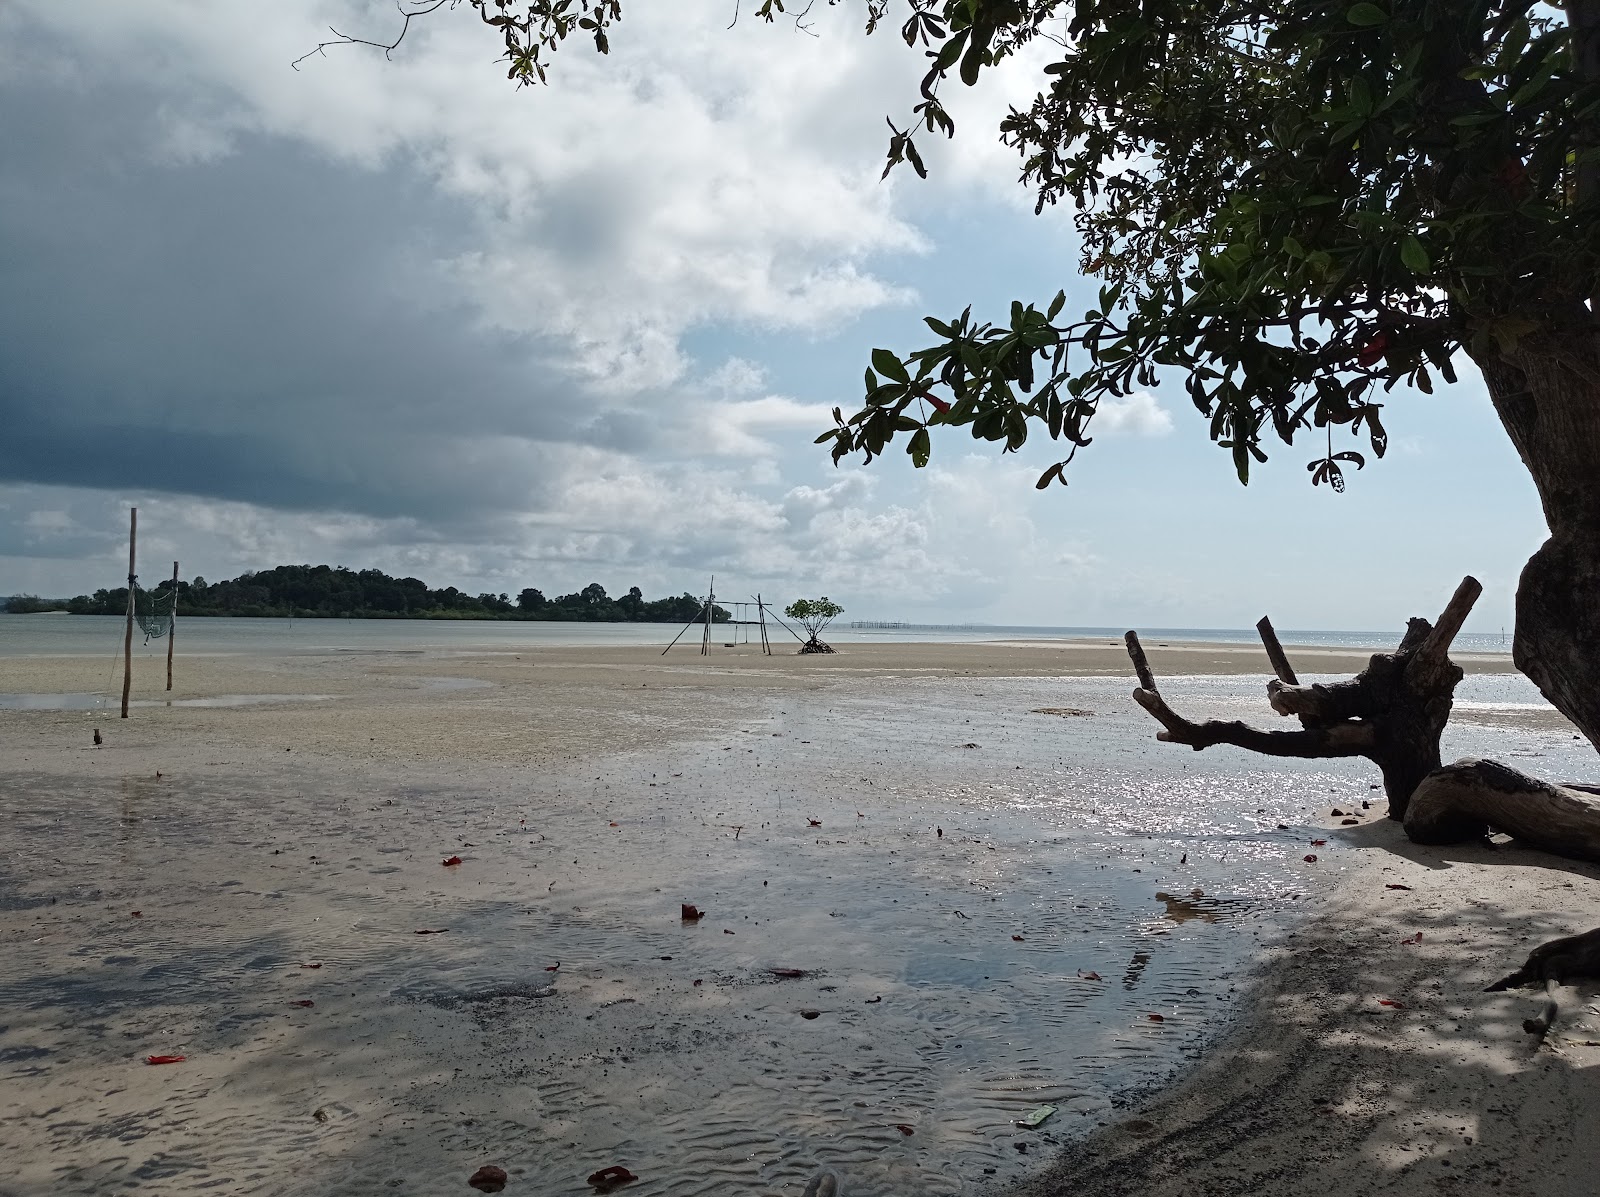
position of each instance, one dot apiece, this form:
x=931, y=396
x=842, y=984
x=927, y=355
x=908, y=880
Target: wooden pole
x=127, y=637
x=761, y=611
x=172, y=628
x=681, y=631
x=711, y=602
x=1275, y=653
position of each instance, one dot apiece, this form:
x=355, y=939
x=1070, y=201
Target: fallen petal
x=450, y=861
x=165, y=1059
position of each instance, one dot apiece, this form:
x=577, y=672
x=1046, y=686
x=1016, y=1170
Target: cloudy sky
x=398, y=314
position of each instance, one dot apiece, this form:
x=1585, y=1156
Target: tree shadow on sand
x=1323, y=1089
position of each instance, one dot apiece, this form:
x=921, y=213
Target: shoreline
x=1243, y=1117
x=1320, y=1090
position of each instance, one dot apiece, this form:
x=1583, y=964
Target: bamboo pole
x=711, y=603
x=679, y=636
x=127, y=636
x=172, y=628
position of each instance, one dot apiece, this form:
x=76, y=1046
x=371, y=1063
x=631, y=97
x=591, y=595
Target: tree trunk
x=1547, y=394
x=1467, y=799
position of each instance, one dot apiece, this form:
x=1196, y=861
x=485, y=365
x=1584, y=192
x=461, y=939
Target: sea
x=93, y=635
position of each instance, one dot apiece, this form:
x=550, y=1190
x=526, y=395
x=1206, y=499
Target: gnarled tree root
x=1468, y=799
x=1465, y=800
x=1553, y=964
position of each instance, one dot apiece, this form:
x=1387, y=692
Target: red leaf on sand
x=613, y=824
x=692, y=912
x=725, y=931
x=697, y=982
x=609, y=1178
x=815, y=822
x=1391, y=1002
x=1395, y=885
x=1018, y=938
x=450, y=861
x=304, y=1003
x=905, y=1128
x=550, y=968
x=488, y=1179
x=1417, y=938
x=165, y=1059
x=1089, y=976
x=317, y=965
x=1318, y=843
x=136, y=914
x=433, y=931
x=1311, y=858
x=787, y=973
x=1156, y=1017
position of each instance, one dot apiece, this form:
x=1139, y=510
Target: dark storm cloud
x=265, y=326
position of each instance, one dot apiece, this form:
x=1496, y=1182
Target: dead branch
x=1141, y=667
x=1393, y=712
x=345, y=39
x=1275, y=653
x=1341, y=739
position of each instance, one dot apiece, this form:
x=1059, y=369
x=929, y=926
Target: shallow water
x=430, y=1055
x=97, y=635
x=98, y=702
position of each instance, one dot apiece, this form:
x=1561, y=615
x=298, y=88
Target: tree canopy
x=311, y=591
x=1294, y=204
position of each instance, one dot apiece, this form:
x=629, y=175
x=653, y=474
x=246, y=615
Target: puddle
x=452, y=683
x=98, y=702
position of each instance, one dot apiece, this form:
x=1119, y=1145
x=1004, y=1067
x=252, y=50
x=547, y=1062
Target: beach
x=942, y=885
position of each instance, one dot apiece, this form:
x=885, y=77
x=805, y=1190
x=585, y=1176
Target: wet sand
x=284, y=834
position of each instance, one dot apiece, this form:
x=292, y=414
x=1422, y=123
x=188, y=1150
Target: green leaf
x=920, y=448
x=1366, y=14
x=1415, y=257
x=890, y=366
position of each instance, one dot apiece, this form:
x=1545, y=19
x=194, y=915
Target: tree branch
x=1275, y=653
x=345, y=39
x=1340, y=739
x=1346, y=738
x=1436, y=647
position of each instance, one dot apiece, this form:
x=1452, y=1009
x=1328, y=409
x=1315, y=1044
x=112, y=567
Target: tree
x=1295, y=206
x=814, y=615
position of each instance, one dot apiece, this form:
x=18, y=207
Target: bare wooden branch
x=1141, y=667
x=345, y=39
x=1339, y=739
x=1322, y=702
x=1437, y=643
x=1275, y=653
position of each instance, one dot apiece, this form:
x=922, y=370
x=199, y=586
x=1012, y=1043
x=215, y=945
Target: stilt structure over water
x=706, y=616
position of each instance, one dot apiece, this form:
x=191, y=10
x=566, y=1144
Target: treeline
x=323, y=591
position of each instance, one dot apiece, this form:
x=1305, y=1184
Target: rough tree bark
x=1467, y=799
x=1547, y=394
x=1393, y=712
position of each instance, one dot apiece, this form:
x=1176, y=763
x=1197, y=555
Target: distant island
x=334, y=592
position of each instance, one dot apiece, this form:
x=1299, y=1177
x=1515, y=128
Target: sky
x=396, y=313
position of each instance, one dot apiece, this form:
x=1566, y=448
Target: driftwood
x=1553, y=964
x=1468, y=799
x=1393, y=712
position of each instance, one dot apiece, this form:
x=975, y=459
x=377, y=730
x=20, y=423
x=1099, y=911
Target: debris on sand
x=488, y=1179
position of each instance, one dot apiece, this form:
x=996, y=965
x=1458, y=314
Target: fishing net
x=153, y=610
